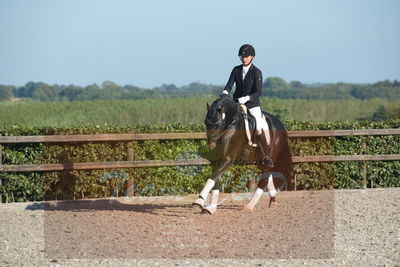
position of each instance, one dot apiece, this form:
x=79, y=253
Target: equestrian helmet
x=247, y=50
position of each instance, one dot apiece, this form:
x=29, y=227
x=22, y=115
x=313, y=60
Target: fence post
x=130, y=182
x=364, y=174
x=251, y=185
x=364, y=164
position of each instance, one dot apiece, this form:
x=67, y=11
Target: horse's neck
x=235, y=129
x=230, y=107
x=233, y=113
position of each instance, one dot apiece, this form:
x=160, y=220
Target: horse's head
x=218, y=118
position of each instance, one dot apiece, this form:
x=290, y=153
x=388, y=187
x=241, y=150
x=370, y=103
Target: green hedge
x=188, y=179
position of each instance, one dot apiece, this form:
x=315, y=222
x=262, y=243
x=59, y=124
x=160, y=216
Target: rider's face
x=246, y=60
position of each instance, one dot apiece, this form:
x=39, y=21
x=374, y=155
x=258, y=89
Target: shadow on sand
x=103, y=205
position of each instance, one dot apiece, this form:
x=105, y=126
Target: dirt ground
x=306, y=227
x=300, y=226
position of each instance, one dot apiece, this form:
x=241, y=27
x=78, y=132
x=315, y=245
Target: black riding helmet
x=247, y=50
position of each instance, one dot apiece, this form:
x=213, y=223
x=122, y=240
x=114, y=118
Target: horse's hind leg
x=270, y=189
x=254, y=199
x=269, y=183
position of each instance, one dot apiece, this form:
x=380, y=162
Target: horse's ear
x=208, y=107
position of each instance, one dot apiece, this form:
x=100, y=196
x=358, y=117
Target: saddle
x=250, y=125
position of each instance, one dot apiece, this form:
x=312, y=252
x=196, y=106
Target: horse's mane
x=226, y=97
x=223, y=99
x=218, y=102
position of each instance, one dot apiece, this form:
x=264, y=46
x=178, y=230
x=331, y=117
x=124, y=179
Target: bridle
x=221, y=121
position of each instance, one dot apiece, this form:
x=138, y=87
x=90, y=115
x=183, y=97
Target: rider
x=248, y=79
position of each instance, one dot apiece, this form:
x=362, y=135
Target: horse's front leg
x=211, y=184
x=264, y=182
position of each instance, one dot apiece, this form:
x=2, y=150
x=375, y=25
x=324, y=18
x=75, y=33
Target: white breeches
x=261, y=124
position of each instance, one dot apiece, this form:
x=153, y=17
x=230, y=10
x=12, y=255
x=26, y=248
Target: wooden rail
x=186, y=162
x=98, y=138
x=176, y=136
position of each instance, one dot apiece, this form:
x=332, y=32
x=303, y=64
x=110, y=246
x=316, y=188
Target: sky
x=148, y=43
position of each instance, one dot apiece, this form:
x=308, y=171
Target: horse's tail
x=284, y=165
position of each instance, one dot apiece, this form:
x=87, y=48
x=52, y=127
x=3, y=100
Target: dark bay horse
x=230, y=144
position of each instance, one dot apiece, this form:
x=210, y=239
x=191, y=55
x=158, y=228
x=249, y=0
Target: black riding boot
x=266, y=160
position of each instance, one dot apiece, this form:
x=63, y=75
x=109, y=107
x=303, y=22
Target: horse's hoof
x=247, y=208
x=199, y=203
x=209, y=209
x=272, y=203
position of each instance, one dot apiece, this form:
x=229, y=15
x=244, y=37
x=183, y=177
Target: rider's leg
x=261, y=124
x=261, y=136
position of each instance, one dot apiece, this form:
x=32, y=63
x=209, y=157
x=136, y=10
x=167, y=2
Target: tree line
x=273, y=87
x=160, y=111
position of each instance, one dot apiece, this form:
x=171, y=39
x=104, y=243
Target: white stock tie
x=244, y=71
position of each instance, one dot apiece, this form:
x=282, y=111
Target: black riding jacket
x=251, y=85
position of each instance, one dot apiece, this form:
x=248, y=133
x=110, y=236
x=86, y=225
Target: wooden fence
x=130, y=163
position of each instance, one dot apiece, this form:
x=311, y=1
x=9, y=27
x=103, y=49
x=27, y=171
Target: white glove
x=224, y=93
x=243, y=99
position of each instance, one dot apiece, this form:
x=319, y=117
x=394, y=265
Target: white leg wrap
x=255, y=198
x=271, y=187
x=207, y=188
x=214, y=197
x=212, y=208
